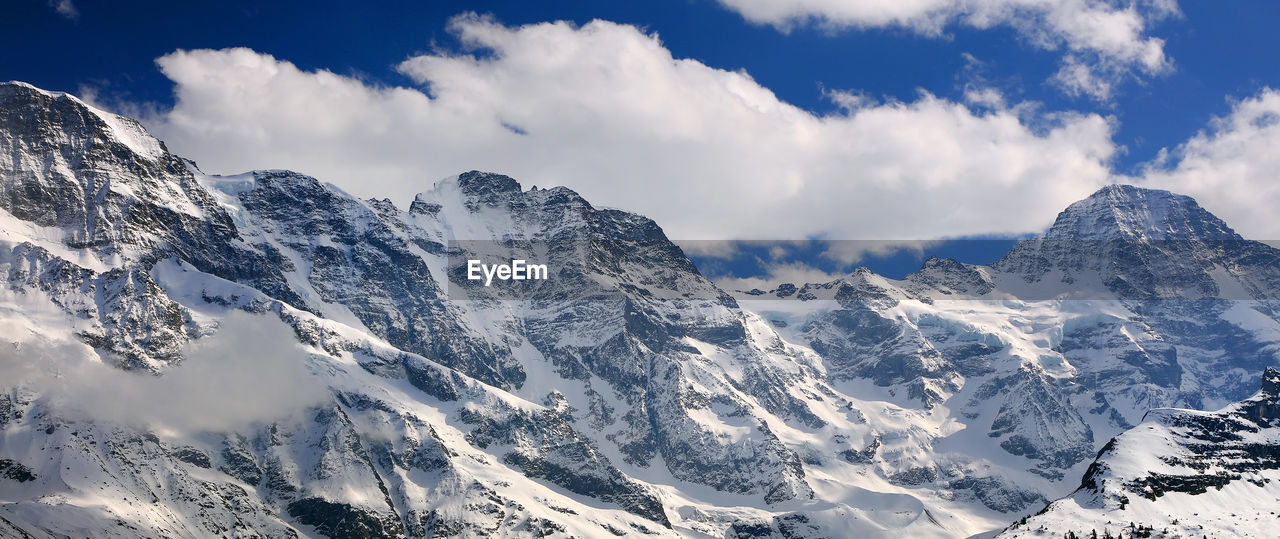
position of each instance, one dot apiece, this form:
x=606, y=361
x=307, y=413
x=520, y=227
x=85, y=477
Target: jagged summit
x=1129, y=212
x=1131, y=242
x=1264, y=408
x=19, y=86
x=477, y=183
x=474, y=187
x=20, y=103
x=100, y=178
x=1271, y=382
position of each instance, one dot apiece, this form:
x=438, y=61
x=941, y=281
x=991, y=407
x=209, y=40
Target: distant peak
x=1271, y=382
x=941, y=262
x=1126, y=211
x=478, y=183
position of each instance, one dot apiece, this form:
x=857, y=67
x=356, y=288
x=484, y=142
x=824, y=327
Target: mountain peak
x=1129, y=212
x=72, y=115
x=477, y=183
x=1271, y=382
x=1124, y=190
x=18, y=86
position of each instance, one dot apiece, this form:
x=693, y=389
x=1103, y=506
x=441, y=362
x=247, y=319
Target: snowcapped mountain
x=188, y=355
x=1180, y=473
x=1063, y=342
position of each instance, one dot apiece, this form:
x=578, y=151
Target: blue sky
x=1216, y=56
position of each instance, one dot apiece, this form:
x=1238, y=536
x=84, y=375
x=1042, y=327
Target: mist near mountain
x=249, y=371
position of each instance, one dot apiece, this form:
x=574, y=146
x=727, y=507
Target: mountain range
x=265, y=355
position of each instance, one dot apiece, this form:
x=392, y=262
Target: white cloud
x=797, y=273
x=251, y=370
x=1231, y=168
x=65, y=8
x=1078, y=78
x=851, y=252
x=606, y=110
x=710, y=248
x=1105, y=40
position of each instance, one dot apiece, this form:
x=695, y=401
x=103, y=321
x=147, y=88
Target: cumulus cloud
x=251, y=370
x=606, y=110
x=1106, y=40
x=1231, y=167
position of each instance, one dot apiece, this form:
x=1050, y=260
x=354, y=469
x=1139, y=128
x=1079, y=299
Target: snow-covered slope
x=1135, y=299
x=120, y=259
x=1180, y=473
x=263, y=354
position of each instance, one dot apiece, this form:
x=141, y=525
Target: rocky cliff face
x=627, y=395
x=136, y=253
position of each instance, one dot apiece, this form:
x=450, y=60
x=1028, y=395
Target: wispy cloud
x=65, y=8
x=852, y=252
x=251, y=370
x=1104, y=41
